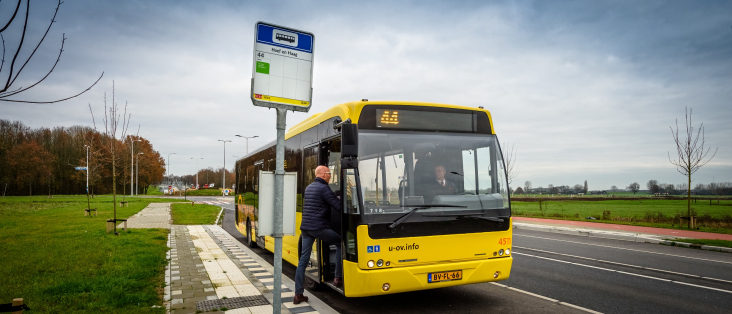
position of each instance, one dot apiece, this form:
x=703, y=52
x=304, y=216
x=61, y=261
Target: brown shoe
x=299, y=298
x=337, y=281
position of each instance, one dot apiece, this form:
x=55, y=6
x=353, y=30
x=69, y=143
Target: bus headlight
x=380, y=263
x=508, y=251
x=388, y=263
x=500, y=252
x=496, y=275
x=370, y=264
x=386, y=287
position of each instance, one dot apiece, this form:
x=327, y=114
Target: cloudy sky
x=585, y=90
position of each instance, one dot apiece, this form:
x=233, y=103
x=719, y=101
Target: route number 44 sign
x=282, y=73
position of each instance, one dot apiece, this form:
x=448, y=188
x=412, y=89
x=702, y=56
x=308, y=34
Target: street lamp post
x=247, y=138
x=223, y=179
x=197, y=170
x=132, y=169
x=137, y=178
x=88, y=205
x=167, y=170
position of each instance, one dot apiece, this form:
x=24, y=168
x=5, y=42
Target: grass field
x=204, y=192
x=60, y=261
x=198, y=214
x=650, y=212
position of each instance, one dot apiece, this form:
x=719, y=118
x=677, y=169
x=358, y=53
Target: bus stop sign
x=282, y=73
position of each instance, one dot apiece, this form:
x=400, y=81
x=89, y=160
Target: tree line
x=205, y=176
x=43, y=160
x=714, y=188
x=551, y=189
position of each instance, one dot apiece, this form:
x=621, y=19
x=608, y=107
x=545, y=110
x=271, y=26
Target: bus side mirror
x=349, y=140
x=349, y=146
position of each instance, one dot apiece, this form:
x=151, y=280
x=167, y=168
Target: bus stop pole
x=279, y=191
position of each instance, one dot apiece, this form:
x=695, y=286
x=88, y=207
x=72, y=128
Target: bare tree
x=527, y=186
x=578, y=188
x=509, y=156
x=691, y=153
x=634, y=187
x=112, y=128
x=13, y=74
x=652, y=186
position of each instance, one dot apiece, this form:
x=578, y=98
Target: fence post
x=18, y=302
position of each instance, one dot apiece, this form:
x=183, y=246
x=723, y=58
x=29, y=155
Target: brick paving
x=189, y=282
x=207, y=264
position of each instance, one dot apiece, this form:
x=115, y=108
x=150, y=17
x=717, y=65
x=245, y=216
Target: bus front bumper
x=361, y=283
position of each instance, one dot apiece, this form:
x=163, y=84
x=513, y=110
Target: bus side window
x=352, y=204
x=353, y=210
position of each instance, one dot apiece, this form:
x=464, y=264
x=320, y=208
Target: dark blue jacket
x=317, y=201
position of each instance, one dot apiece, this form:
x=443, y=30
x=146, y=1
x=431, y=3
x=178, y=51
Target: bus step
x=329, y=283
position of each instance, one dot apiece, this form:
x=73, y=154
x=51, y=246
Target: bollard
x=18, y=302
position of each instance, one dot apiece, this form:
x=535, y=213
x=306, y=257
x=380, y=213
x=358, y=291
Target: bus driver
x=442, y=186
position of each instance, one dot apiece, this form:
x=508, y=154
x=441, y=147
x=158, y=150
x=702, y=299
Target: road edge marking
x=627, y=273
x=547, y=298
x=622, y=264
x=627, y=249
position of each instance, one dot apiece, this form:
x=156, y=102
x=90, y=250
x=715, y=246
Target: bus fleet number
x=504, y=241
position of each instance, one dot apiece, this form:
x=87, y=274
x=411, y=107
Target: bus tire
x=311, y=284
x=252, y=243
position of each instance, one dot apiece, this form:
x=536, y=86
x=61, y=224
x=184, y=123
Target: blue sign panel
x=285, y=38
x=80, y=168
x=373, y=249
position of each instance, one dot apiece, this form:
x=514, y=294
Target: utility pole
x=137, y=178
x=247, y=138
x=197, y=170
x=223, y=181
x=132, y=169
x=88, y=205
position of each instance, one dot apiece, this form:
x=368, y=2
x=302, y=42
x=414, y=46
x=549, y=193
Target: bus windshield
x=403, y=170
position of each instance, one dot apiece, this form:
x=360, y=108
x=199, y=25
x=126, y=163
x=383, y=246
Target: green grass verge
x=153, y=190
x=722, y=243
x=204, y=192
x=198, y=214
x=625, y=212
x=60, y=261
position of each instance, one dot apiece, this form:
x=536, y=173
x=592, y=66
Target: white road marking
x=622, y=264
x=621, y=248
x=622, y=272
x=546, y=298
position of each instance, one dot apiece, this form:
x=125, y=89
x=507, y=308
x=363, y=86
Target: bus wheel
x=311, y=284
x=250, y=241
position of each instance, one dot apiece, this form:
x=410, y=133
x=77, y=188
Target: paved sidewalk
x=155, y=215
x=656, y=232
x=209, y=270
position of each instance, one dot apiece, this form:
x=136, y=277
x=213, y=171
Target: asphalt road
x=603, y=275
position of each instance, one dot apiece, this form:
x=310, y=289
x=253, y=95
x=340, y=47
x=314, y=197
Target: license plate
x=445, y=276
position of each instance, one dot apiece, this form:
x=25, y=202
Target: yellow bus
x=424, y=191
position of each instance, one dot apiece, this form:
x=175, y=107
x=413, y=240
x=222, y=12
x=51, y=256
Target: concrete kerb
x=219, y=216
x=313, y=301
x=633, y=237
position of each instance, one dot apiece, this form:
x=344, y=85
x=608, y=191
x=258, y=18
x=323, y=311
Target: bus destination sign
x=282, y=72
